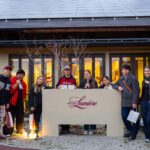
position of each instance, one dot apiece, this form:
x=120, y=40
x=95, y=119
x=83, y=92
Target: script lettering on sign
x=81, y=102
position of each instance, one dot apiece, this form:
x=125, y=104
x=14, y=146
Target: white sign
x=81, y=106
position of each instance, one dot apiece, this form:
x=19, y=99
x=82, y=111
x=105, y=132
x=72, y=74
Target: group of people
x=12, y=97
x=13, y=94
x=128, y=86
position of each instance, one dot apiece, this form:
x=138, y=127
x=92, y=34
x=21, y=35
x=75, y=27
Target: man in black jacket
x=128, y=86
x=4, y=96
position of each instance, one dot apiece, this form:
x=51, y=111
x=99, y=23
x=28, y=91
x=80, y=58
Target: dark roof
x=22, y=9
x=28, y=14
x=79, y=23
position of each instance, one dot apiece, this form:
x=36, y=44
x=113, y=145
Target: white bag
x=9, y=120
x=71, y=87
x=63, y=87
x=31, y=121
x=133, y=116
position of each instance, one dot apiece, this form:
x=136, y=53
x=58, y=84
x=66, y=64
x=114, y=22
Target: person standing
x=128, y=86
x=88, y=83
x=145, y=103
x=66, y=80
x=4, y=96
x=35, y=101
x=18, y=92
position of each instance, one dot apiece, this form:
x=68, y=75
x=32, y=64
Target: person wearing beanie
x=18, y=92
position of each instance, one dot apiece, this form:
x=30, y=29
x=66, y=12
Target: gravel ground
x=78, y=142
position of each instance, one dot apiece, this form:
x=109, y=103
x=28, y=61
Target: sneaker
x=91, y=133
x=131, y=138
x=147, y=140
x=86, y=132
x=2, y=137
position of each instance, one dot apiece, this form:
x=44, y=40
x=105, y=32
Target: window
x=15, y=66
x=147, y=61
x=88, y=64
x=76, y=69
x=139, y=70
x=115, y=65
x=48, y=71
x=99, y=70
x=37, y=68
x=25, y=67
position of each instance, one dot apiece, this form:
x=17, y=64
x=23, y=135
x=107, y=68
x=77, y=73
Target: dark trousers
x=145, y=110
x=18, y=113
x=89, y=127
x=37, y=116
x=65, y=128
x=132, y=128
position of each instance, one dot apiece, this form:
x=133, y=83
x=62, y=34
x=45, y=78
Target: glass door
x=139, y=70
x=37, y=68
x=76, y=69
x=99, y=70
x=115, y=71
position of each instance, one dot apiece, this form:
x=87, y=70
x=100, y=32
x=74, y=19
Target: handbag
x=133, y=116
x=31, y=122
x=9, y=120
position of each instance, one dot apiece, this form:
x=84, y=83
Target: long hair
x=36, y=84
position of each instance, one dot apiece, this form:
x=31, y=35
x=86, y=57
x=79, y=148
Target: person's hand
x=32, y=108
x=7, y=106
x=134, y=106
x=18, y=82
x=120, y=89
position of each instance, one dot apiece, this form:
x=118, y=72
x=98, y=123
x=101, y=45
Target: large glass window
x=139, y=70
x=88, y=64
x=126, y=60
x=147, y=61
x=25, y=67
x=76, y=69
x=15, y=66
x=48, y=68
x=37, y=68
x=64, y=62
x=99, y=70
x=115, y=65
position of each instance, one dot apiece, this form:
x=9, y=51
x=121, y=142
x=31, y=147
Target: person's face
x=125, y=72
x=147, y=72
x=87, y=75
x=7, y=72
x=40, y=80
x=20, y=76
x=105, y=81
x=67, y=72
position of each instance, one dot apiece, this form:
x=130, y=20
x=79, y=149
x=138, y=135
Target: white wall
x=3, y=61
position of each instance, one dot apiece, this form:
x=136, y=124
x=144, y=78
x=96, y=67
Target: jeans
x=145, y=109
x=132, y=128
x=37, y=116
x=89, y=127
x=2, y=118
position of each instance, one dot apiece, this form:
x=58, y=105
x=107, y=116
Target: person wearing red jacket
x=66, y=80
x=18, y=93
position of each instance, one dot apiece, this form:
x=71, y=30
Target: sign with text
x=81, y=106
